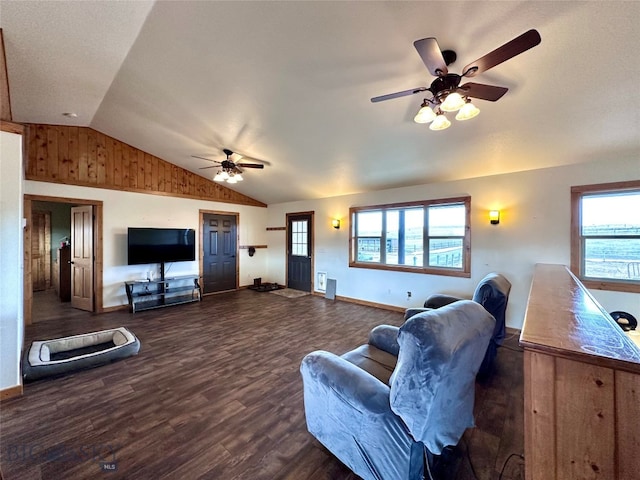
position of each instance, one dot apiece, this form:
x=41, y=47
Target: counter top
x=564, y=319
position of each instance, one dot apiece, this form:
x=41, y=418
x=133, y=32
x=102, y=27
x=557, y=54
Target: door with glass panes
x=299, y=250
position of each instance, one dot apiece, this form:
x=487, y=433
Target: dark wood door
x=219, y=260
x=299, y=251
x=41, y=250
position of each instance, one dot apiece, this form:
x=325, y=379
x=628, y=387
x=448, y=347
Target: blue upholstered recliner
x=492, y=293
x=379, y=407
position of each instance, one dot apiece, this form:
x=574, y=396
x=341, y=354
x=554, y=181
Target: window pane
x=368, y=250
x=612, y=258
x=446, y=221
x=299, y=238
x=413, y=237
x=611, y=214
x=369, y=224
x=393, y=226
x=396, y=237
x=445, y=253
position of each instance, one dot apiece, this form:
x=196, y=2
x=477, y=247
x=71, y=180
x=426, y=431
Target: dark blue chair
x=493, y=294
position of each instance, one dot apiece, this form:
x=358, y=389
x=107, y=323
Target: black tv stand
x=164, y=292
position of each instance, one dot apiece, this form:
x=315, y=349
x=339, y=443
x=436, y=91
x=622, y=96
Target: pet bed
x=67, y=354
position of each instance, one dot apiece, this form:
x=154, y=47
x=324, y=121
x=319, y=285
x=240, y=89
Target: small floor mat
x=265, y=287
x=290, y=293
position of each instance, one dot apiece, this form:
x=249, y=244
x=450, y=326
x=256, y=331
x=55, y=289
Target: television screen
x=161, y=245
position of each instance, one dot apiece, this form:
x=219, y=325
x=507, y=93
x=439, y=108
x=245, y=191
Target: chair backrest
x=433, y=384
x=493, y=293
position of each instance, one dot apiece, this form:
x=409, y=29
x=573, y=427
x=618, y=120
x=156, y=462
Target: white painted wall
x=127, y=209
x=11, y=259
x=534, y=228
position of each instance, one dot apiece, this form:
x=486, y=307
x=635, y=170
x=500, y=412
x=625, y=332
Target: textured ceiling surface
x=289, y=83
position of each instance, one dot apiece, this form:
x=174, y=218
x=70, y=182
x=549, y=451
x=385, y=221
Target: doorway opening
x=62, y=257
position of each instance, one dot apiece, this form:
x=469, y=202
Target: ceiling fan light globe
x=232, y=180
x=467, y=112
x=424, y=115
x=452, y=102
x=224, y=175
x=218, y=177
x=238, y=177
x=440, y=123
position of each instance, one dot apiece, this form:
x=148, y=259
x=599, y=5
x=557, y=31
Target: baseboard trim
x=382, y=306
x=117, y=308
x=11, y=392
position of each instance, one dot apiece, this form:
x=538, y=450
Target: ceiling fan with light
x=229, y=170
x=448, y=94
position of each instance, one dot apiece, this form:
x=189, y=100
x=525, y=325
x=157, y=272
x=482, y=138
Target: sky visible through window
x=622, y=209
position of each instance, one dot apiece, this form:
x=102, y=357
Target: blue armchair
x=492, y=293
x=380, y=407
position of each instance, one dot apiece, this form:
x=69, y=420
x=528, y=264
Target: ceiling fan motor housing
x=444, y=85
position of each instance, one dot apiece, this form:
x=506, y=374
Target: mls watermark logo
x=102, y=454
x=108, y=467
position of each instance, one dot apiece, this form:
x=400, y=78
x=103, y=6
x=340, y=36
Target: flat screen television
x=160, y=245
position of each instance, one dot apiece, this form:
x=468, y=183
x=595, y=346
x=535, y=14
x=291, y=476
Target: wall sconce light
x=494, y=217
x=335, y=223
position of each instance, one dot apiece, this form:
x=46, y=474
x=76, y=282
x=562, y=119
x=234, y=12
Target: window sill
x=629, y=287
x=405, y=268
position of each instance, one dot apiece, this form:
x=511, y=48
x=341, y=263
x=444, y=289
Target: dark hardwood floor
x=215, y=392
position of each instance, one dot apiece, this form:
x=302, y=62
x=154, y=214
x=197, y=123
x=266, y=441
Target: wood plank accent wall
x=581, y=385
x=5, y=99
x=83, y=156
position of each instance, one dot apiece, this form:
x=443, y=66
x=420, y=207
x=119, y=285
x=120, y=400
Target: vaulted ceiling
x=290, y=83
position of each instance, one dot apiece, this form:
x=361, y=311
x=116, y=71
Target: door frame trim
x=201, y=214
x=27, y=279
x=312, y=246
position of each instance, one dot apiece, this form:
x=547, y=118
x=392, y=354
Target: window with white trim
x=430, y=236
x=605, y=235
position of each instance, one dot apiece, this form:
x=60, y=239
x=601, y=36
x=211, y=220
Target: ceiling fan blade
x=399, y=94
x=204, y=168
x=483, y=92
x=250, y=165
x=236, y=170
x=431, y=55
x=207, y=159
x=501, y=54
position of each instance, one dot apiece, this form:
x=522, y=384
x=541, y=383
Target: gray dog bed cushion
x=67, y=354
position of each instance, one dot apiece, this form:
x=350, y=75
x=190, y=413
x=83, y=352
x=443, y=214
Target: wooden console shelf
x=581, y=385
x=148, y=294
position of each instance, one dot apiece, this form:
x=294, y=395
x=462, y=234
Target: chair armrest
x=385, y=337
x=328, y=374
x=440, y=300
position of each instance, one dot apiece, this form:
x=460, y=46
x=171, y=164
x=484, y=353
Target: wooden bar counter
x=581, y=385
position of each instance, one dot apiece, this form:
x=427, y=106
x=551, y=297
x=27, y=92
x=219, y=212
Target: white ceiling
x=290, y=83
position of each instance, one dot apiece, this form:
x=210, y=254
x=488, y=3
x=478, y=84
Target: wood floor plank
x=216, y=392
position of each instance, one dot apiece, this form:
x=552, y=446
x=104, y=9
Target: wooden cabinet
x=582, y=385
x=63, y=282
